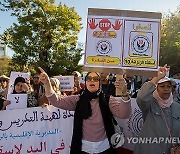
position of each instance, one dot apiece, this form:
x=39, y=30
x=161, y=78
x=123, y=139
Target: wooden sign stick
x=118, y=90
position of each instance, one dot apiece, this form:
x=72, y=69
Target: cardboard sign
x=13, y=76
x=18, y=101
x=66, y=83
x=119, y=40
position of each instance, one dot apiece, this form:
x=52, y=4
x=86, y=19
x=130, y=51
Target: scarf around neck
x=163, y=103
x=83, y=111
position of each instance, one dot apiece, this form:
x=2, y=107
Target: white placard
x=36, y=130
x=13, y=76
x=66, y=83
x=18, y=101
x=122, y=42
x=141, y=43
x=104, y=41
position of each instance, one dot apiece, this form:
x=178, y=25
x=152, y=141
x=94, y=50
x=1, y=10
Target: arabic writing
x=141, y=27
x=28, y=134
x=34, y=117
x=18, y=149
x=105, y=34
x=103, y=60
x=140, y=62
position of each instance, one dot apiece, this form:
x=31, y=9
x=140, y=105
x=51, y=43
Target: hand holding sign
x=5, y=103
x=25, y=87
x=121, y=86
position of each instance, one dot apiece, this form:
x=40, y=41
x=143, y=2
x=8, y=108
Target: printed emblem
x=140, y=44
x=104, y=47
x=104, y=24
x=135, y=122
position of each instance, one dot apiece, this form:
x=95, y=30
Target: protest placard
x=66, y=83
x=13, y=76
x=120, y=41
x=18, y=101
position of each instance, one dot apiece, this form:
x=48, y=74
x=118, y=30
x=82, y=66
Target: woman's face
x=164, y=89
x=4, y=83
x=92, y=82
x=18, y=87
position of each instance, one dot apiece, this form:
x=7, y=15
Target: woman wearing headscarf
x=93, y=125
x=55, y=83
x=161, y=116
x=21, y=86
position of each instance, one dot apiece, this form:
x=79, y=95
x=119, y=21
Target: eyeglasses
x=35, y=77
x=3, y=80
x=94, y=78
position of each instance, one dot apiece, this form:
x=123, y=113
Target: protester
x=55, y=83
x=176, y=87
x=78, y=86
x=107, y=87
x=176, y=75
x=161, y=115
x=37, y=87
x=4, y=81
x=21, y=86
x=93, y=125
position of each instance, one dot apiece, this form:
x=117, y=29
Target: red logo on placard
x=117, y=25
x=92, y=24
x=104, y=24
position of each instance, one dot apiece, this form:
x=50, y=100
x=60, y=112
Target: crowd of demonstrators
x=160, y=113
x=94, y=105
x=93, y=125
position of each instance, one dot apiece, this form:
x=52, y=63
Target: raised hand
x=44, y=78
x=25, y=87
x=121, y=85
x=162, y=71
x=5, y=103
x=161, y=74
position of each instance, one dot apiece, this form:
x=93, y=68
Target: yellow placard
x=103, y=60
x=140, y=62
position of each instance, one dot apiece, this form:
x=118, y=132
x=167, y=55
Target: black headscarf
x=83, y=111
x=17, y=80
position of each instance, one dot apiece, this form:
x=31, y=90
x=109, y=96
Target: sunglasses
x=94, y=78
x=3, y=80
x=35, y=77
